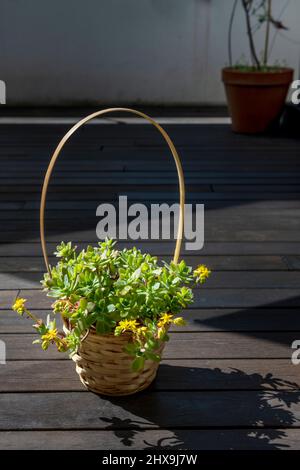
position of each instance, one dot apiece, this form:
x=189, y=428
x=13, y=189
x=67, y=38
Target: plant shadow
x=210, y=409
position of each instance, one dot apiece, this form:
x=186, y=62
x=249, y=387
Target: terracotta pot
x=255, y=99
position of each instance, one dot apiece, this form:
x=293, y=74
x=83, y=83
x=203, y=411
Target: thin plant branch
x=230, y=32
x=277, y=30
x=247, y=5
x=267, y=36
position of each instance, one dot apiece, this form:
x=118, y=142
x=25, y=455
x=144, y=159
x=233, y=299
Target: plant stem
x=247, y=5
x=230, y=32
x=277, y=30
x=31, y=315
x=267, y=37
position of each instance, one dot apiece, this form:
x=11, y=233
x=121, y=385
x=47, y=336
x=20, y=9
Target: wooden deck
x=226, y=381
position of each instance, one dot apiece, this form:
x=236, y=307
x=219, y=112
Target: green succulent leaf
x=138, y=364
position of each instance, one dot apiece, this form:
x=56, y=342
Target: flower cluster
x=115, y=292
x=48, y=331
x=19, y=306
x=202, y=273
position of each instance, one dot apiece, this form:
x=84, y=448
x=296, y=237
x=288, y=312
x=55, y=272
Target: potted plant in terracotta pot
x=256, y=93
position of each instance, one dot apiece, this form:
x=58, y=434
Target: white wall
x=120, y=51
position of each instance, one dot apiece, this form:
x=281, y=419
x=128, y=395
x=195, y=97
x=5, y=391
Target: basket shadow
x=260, y=410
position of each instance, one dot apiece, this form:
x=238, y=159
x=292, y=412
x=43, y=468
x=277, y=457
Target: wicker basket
x=101, y=362
x=104, y=367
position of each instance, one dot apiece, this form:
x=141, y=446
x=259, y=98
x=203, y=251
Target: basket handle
x=60, y=147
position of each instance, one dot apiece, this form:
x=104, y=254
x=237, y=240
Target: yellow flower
x=50, y=335
x=164, y=319
x=141, y=330
x=128, y=325
x=19, y=305
x=202, y=273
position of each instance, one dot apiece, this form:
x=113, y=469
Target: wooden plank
x=225, y=206
x=225, y=439
x=81, y=158
x=188, y=374
x=86, y=211
x=20, y=280
x=204, y=345
x=10, y=322
x=7, y=298
x=245, y=298
x=252, y=319
x=216, y=263
x=63, y=186
x=214, y=222
x=8, y=206
x=252, y=280
x=203, y=298
x=93, y=160
x=83, y=410
x=138, y=439
x=110, y=139
x=240, y=188
x=215, y=137
x=259, y=227
x=220, y=279
x=34, y=197
x=224, y=319
x=115, y=177
x=160, y=248
x=293, y=262
x=34, y=177
x=213, y=233
x=131, y=149
x=69, y=185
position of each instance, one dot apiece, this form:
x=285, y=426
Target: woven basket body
x=104, y=367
